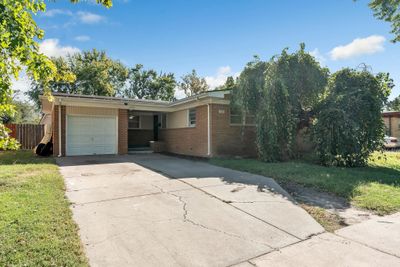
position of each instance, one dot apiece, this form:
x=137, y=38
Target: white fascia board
x=118, y=104
x=132, y=105
x=198, y=103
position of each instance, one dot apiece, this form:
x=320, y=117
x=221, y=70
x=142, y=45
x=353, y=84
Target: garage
x=91, y=135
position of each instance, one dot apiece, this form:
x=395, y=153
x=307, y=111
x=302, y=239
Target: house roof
x=132, y=103
x=112, y=98
x=391, y=114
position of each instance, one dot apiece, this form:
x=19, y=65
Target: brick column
x=55, y=121
x=122, y=131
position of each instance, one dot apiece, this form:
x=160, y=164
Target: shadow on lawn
x=23, y=157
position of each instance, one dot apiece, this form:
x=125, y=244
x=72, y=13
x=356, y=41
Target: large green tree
x=97, y=74
x=88, y=73
x=192, y=84
x=148, y=84
x=388, y=10
x=250, y=86
x=283, y=94
x=65, y=84
x=19, y=35
x=348, y=125
x=25, y=112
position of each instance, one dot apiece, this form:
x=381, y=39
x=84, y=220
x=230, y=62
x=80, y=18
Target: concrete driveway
x=157, y=210
x=187, y=213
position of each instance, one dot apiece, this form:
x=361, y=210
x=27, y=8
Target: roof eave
x=133, y=104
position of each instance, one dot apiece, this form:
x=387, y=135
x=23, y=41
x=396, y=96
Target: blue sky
x=218, y=37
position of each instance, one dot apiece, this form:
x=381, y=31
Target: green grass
x=36, y=226
x=375, y=187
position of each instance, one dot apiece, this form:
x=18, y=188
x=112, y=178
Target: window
x=192, y=117
x=237, y=117
x=134, y=122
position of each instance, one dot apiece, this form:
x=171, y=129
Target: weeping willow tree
x=283, y=93
x=292, y=92
x=348, y=125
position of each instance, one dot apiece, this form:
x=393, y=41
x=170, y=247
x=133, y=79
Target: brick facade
x=55, y=123
x=122, y=131
x=230, y=140
x=226, y=139
x=190, y=141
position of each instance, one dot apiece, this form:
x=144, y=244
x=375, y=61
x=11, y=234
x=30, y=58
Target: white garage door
x=89, y=135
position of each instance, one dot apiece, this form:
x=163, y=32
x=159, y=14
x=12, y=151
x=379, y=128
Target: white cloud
x=21, y=86
x=318, y=56
x=213, y=81
x=52, y=48
x=89, y=18
x=82, y=38
x=179, y=93
x=360, y=46
x=220, y=77
x=55, y=12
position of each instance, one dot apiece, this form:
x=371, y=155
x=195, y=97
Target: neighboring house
x=392, y=123
x=200, y=125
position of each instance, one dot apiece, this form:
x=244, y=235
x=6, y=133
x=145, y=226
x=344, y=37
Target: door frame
x=88, y=115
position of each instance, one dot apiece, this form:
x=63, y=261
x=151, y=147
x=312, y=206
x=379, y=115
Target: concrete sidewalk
x=370, y=243
x=382, y=234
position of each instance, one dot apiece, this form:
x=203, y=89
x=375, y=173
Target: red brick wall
x=122, y=131
x=190, y=140
x=55, y=124
x=226, y=139
x=230, y=140
x=140, y=137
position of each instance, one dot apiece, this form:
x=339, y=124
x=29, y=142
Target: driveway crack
x=188, y=220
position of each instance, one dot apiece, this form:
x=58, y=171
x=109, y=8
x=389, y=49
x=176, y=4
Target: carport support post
x=208, y=130
x=59, y=128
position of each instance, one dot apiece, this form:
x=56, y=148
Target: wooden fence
x=28, y=135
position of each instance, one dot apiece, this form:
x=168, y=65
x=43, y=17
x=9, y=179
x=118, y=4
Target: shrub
x=7, y=142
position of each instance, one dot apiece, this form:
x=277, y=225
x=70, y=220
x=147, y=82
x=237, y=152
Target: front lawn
x=36, y=226
x=375, y=187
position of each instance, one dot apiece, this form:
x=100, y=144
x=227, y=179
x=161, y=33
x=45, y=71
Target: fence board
x=28, y=135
